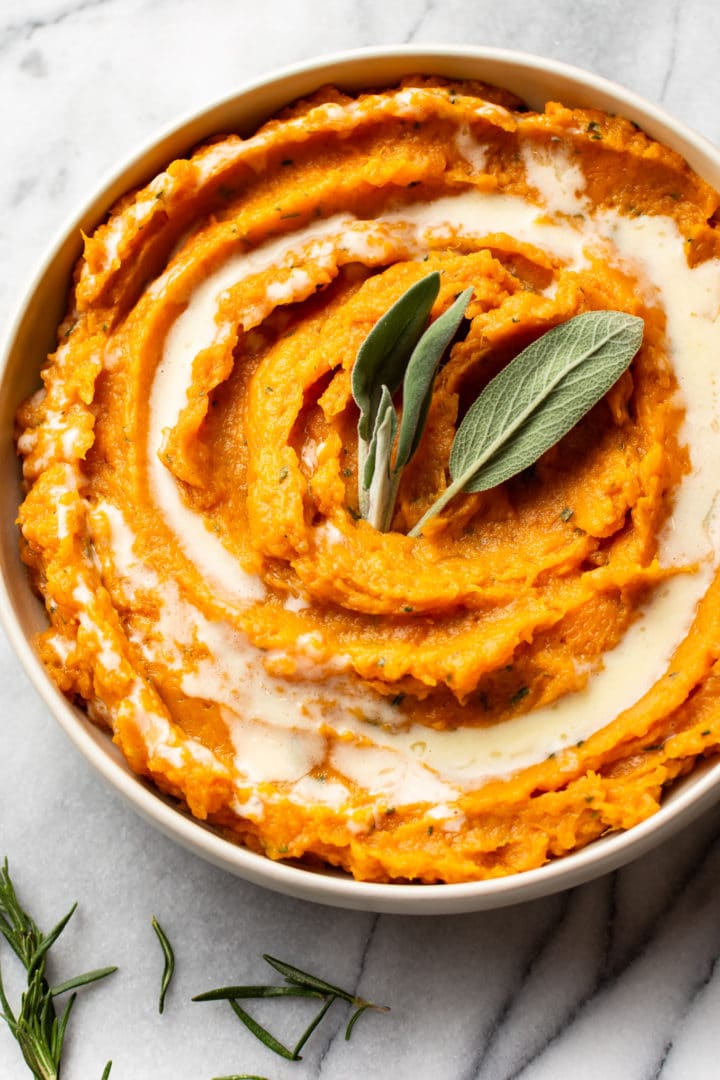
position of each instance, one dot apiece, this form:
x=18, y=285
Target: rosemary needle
x=169, y=961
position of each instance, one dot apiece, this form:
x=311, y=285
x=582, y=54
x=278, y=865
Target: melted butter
x=385, y=772
x=559, y=180
x=473, y=151
x=195, y=328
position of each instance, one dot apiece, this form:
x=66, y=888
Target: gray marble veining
x=615, y=979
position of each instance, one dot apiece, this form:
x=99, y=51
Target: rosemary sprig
x=169, y=956
x=38, y=1030
x=298, y=984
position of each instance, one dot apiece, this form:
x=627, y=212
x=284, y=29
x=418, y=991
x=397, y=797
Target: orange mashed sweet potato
x=541, y=663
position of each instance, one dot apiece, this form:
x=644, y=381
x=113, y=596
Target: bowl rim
x=687, y=798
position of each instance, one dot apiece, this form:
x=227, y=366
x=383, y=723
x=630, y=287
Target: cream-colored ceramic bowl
x=33, y=335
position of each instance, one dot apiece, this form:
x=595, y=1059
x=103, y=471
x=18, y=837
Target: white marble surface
x=616, y=979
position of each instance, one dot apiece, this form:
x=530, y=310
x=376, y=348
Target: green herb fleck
x=566, y=513
x=519, y=695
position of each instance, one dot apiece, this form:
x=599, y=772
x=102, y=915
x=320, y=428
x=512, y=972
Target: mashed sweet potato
x=537, y=666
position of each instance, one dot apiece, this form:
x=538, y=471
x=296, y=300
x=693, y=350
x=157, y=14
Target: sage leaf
x=399, y=348
x=420, y=376
x=383, y=483
x=382, y=412
x=383, y=355
x=381, y=361
x=537, y=398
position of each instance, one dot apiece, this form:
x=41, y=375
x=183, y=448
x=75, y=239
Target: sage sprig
x=536, y=399
x=399, y=349
x=297, y=984
x=39, y=1032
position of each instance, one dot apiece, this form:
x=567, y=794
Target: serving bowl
x=32, y=336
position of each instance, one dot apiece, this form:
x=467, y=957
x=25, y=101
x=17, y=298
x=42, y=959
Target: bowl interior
x=32, y=337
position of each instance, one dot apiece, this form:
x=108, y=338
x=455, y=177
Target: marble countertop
x=615, y=979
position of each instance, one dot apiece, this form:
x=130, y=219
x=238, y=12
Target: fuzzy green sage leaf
x=381, y=483
x=536, y=399
x=398, y=349
x=383, y=355
x=381, y=362
x=420, y=376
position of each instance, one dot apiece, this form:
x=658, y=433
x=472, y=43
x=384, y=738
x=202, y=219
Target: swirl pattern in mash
x=526, y=675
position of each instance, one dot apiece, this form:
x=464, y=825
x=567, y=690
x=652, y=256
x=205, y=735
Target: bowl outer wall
x=32, y=336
